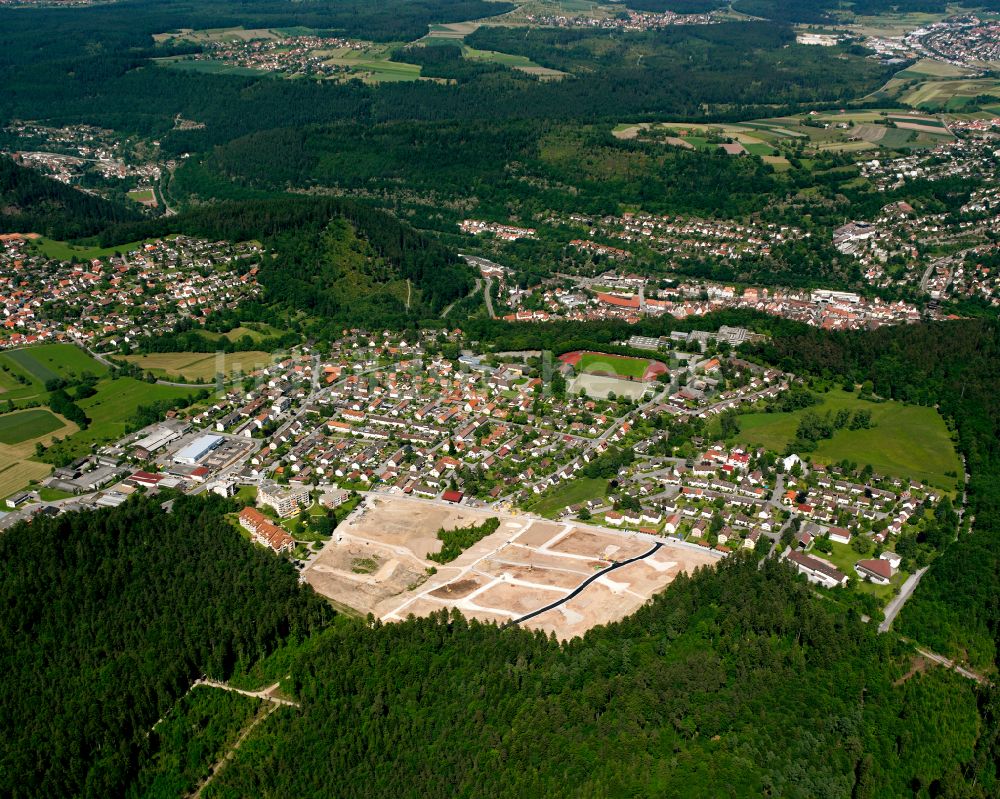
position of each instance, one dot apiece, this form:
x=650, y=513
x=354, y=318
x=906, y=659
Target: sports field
x=907, y=441
x=200, y=365
x=143, y=196
x=600, y=363
x=26, y=425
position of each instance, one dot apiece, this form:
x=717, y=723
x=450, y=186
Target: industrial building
x=152, y=442
x=197, y=449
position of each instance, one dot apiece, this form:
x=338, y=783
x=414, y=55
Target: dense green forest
x=526, y=167
x=185, y=743
x=736, y=682
x=31, y=203
x=727, y=65
x=108, y=616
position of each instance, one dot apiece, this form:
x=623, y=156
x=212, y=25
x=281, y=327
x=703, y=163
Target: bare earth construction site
x=376, y=563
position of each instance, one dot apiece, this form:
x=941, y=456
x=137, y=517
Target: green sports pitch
x=622, y=366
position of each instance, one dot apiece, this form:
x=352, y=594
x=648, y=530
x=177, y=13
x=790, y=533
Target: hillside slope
x=32, y=203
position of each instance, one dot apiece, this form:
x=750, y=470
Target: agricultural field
x=23, y=372
x=569, y=493
x=207, y=67
x=931, y=68
x=17, y=469
x=891, y=24
x=856, y=131
x=21, y=426
x=908, y=441
x=47, y=361
x=200, y=365
x=224, y=35
x=372, y=64
x=949, y=95
x=17, y=473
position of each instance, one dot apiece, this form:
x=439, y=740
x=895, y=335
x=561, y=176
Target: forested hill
x=31, y=203
x=105, y=620
x=736, y=682
x=956, y=366
x=342, y=262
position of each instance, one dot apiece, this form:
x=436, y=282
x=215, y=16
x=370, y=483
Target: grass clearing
x=844, y=558
x=63, y=251
x=257, y=332
x=520, y=62
x=115, y=401
x=909, y=441
x=21, y=426
x=572, y=492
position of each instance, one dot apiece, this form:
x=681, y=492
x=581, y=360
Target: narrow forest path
x=268, y=694
x=265, y=711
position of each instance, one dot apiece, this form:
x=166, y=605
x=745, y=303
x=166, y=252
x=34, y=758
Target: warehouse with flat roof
x=197, y=449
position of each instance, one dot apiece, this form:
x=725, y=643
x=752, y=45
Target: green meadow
x=909, y=441
x=569, y=493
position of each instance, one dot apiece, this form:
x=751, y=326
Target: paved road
x=585, y=583
x=926, y=277
x=896, y=605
